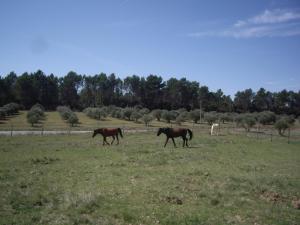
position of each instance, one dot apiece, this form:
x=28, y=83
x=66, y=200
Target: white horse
x=212, y=128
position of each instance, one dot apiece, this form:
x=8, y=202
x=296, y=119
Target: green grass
x=73, y=179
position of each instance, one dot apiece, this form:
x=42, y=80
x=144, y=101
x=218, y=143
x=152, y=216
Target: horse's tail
x=190, y=133
x=120, y=132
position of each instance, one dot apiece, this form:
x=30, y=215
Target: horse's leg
x=186, y=142
x=113, y=139
x=166, y=141
x=184, y=139
x=103, y=141
x=117, y=139
x=106, y=140
x=173, y=142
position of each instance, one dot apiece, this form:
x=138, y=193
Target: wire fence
x=263, y=133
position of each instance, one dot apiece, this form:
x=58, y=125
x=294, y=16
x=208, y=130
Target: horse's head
x=94, y=134
x=160, y=130
x=97, y=131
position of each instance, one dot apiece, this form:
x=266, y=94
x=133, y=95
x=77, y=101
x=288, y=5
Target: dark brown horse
x=109, y=132
x=176, y=132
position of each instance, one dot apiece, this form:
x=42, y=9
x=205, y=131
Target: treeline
x=81, y=91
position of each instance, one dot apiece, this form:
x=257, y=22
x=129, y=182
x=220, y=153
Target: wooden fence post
x=11, y=129
x=271, y=135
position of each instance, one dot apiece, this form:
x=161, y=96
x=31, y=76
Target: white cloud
x=275, y=16
x=270, y=23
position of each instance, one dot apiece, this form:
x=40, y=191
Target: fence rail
x=263, y=133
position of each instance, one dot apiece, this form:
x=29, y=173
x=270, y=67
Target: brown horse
x=109, y=132
x=176, y=132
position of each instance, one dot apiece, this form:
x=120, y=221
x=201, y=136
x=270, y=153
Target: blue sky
x=232, y=44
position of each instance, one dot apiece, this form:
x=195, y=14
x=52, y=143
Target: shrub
x=211, y=117
x=246, y=120
x=73, y=119
x=11, y=108
x=195, y=115
x=96, y=113
x=35, y=114
x=283, y=124
x=117, y=113
x=135, y=115
x=266, y=117
x=157, y=113
x=225, y=117
x=126, y=113
x=39, y=106
x=181, y=117
x=144, y=111
x=32, y=118
x=147, y=118
x=169, y=115
x=64, y=111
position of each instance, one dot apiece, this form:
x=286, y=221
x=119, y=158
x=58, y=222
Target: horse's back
x=112, y=131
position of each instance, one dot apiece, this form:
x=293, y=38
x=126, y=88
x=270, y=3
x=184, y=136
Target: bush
x=169, y=115
x=181, y=117
x=246, y=120
x=96, y=113
x=225, y=117
x=35, y=114
x=39, y=106
x=147, y=118
x=67, y=114
x=157, y=113
x=135, y=115
x=64, y=112
x=144, y=111
x=211, y=117
x=32, y=118
x=73, y=119
x=266, y=117
x=11, y=108
x=195, y=115
x=126, y=113
x=283, y=124
x=117, y=113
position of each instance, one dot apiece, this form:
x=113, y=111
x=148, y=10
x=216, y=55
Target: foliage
x=211, y=117
x=64, y=112
x=225, y=117
x=96, y=113
x=283, y=124
x=266, y=117
x=157, y=114
x=67, y=114
x=73, y=119
x=181, y=118
x=246, y=120
x=194, y=115
x=35, y=114
x=169, y=115
x=136, y=115
x=144, y=111
x=126, y=113
x=151, y=92
x=147, y=118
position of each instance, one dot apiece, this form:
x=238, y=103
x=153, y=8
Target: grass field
x=73, y=179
